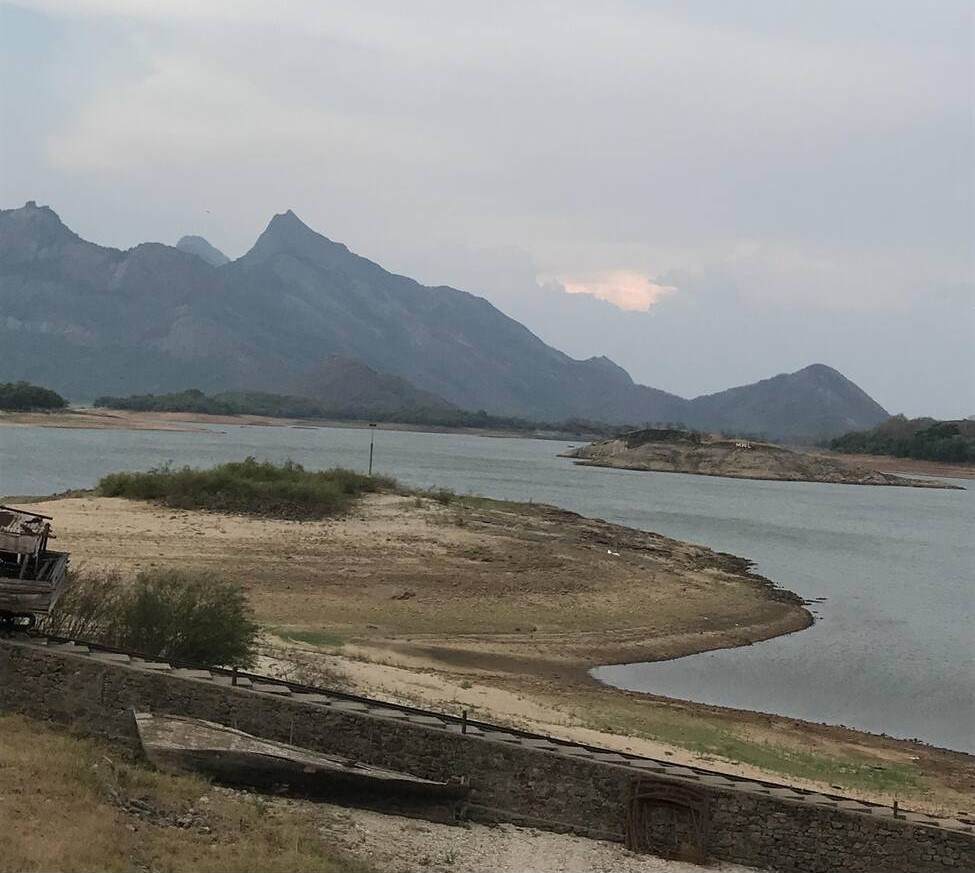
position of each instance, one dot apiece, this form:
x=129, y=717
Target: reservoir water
x=893, y=647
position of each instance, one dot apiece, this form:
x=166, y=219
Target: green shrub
x=443, y=496
x=89, y=607
x=285, y=490
x=188, y=616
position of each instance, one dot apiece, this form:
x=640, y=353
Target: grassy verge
x=322, y=638
x=70, y=804
x=250, y=486
x=718, y=739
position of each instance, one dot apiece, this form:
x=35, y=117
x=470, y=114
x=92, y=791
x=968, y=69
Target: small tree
x=190, y=616
x=90, y=607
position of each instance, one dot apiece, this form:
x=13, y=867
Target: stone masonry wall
x=522, y=783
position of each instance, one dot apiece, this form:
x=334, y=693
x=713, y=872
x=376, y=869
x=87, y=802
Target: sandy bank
x=904, y=466
x=97, y=418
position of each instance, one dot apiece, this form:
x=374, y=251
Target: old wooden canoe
x=181, y=744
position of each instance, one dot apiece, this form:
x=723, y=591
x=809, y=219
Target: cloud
x=624, y=289
x=188, y=109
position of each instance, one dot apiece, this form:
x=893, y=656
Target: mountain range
x=301, y=314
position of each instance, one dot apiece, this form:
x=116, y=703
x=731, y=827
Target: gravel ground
x=392, y=844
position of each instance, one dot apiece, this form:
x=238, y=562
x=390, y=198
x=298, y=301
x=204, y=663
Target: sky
x=707, y=192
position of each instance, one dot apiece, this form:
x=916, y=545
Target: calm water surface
x=892, y=650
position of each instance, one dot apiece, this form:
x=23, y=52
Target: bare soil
x=98, y=418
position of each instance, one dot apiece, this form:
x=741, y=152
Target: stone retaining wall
x=516, y=779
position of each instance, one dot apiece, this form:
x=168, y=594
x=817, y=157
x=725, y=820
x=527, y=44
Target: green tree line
x=24, y=397
x=921, y=438
x=288, y=406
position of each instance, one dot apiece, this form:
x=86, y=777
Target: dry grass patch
x=71, y=804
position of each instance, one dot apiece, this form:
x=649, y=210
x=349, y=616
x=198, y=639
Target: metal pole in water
x=372, y=441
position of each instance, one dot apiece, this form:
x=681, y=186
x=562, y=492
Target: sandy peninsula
x=501, y=609
x=527, y=588
x=674, y=451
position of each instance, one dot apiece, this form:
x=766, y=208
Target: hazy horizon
x=707, y=198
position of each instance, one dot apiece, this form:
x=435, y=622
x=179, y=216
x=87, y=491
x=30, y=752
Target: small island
x=670, y=450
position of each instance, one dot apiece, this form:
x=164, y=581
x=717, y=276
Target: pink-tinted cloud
x=624, y=289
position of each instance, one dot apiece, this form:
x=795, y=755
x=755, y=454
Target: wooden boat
x=176, y=743
x=31, y=576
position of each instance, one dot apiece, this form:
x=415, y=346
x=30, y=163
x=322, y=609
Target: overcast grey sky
x=727, y=189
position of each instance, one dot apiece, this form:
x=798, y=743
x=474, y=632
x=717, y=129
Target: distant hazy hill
x=816, y=400
x=90, y=320
x=351, y=386
x=197, y=245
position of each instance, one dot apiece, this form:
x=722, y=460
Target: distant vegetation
x=193, y=617
x=288, y=406
x=24, y=397
x=250, y=486
x=922, y=438
x=226, y=403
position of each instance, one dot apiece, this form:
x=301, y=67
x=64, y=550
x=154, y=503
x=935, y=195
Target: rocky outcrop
x=674, y=451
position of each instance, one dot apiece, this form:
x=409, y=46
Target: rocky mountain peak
x=610, y=368
x=32, y=231
x=286, y=234
x=202, y=248
x=821, y=371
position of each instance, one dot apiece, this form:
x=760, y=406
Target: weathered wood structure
x=31, y=575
